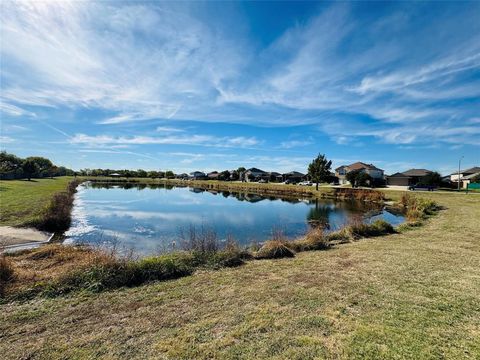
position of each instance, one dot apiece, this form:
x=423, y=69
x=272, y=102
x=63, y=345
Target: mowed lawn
x=22, y=201
x=414, y=295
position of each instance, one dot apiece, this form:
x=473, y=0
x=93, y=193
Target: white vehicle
x=305, y=183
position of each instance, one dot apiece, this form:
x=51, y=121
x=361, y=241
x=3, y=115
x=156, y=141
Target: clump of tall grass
x=274, y=249
x=204, y=240
x=315, y=239
x=6, y=273
x=377, y=228
x=417, y=209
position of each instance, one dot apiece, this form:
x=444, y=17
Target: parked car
x=262, y=181
x=422, y=187
x=290, y=181
x=305, y=183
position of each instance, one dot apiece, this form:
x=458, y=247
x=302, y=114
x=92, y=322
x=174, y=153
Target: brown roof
x=360, y=165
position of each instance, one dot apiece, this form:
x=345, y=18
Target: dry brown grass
x=274, y=249
x=315, y=239
x=6, y=273
x=49, y=263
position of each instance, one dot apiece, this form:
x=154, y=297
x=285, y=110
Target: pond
x=157, y=218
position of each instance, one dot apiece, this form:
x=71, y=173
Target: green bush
x=377, y=228
x=115, y=273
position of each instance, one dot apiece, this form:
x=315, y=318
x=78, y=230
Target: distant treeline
x=14, y=167
x=127, y=173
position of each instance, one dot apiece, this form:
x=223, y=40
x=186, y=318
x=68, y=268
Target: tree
x=10, y=166
x=141, y=173
x=224, y=175
x=169, y=174
x=432, y=179
x=29, y=168
x=319, y=169
x=351, y=177
x=358, y=178
x=152, y=174
x=43, y=165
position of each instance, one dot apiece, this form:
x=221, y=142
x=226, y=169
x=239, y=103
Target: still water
x=152, y=219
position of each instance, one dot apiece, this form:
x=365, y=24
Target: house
x=213, y=175
x=276, y=177
x=197, y=175
x=370, y=169
x=293, y=176
x=407, y=178
x=182, y=176
x=473, y=170
x=469, y=179
x=254, y=174
x=465, y=176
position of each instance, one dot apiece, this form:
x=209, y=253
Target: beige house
x=465, y=176
x=342, y=171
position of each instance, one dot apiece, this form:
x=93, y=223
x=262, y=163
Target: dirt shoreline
x=12, y=237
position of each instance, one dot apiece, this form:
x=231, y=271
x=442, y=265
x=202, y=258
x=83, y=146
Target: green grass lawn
x=22, y=201
x=413, y=295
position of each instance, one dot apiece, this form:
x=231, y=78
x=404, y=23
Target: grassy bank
x=407, y=295
x=25, y=203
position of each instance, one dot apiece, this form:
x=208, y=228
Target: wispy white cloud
x=203, y=140
x=6, y=140
x=290, y=144
x=146, y=61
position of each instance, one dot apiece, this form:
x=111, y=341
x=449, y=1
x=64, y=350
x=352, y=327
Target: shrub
x=417, y=209
x=57, y=214
x=342, y=236
x=108, y=272
x=274, y=249
x=377, y=228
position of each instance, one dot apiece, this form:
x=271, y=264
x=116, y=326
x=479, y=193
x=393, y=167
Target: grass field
x=23, y=202
x=413, y=295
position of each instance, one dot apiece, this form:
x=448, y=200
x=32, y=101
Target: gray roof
x=472, y=170
x=471, y=176
x=294, y=173
x=417, y=172
x=256, y=170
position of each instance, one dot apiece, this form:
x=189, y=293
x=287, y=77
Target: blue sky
x=218, y=85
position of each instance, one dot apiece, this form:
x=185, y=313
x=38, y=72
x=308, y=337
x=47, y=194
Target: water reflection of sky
x=150, y=219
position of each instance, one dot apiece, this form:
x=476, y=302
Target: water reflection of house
x=253, y=198
x=197, y=190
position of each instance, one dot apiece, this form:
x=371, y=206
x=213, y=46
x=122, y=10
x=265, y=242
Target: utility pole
x=458, y=178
